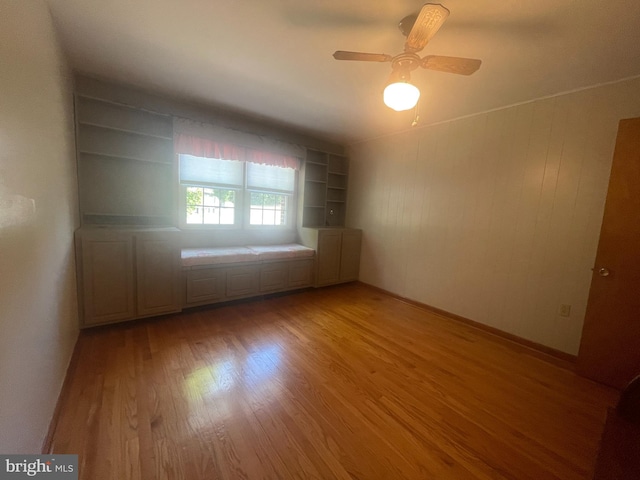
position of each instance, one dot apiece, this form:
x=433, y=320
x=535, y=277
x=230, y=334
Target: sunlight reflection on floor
x=218, y=386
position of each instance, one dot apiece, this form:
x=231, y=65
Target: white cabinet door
x=125, y=274
x=157, y=273
x=329, y=251
x=107, y=277
x=350, y=255
x=207, y=285
x=242, y=281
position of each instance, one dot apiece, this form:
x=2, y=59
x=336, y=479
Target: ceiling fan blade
x=429, y=21
x=461, y=66
x=365, y=57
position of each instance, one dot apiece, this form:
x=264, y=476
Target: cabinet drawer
x=206, y=285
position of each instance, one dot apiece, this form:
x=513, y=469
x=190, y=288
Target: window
x=270, y=191
x=231, y=193
x=210, y=206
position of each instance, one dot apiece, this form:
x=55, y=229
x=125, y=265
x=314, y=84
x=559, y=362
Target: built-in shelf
x=315, y=172
x=105, y=219
x=324, y=189
x=337, y=164
x=337, y=181
x=316, y=156
x=119, y=143
x=123, y=158
x=125, y=130
x=110, y=114
x=125, y=164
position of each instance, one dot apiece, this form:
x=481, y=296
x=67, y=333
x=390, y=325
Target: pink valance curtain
x=204, y=147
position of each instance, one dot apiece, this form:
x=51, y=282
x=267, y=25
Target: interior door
x=610, y=345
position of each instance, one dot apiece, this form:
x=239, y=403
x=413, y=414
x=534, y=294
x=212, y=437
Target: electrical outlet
x=564, y=310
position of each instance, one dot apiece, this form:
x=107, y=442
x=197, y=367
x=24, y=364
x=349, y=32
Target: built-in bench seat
x=218, y=274
x=251, y=253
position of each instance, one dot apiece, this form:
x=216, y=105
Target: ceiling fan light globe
x=401, y=96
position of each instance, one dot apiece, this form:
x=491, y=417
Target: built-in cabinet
x=212, y=284
x=125, y=164
x=128, y=253
x=337, y=253
x=128, y=256
x=125, y=274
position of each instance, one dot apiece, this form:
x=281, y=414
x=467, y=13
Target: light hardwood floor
x=343, y=382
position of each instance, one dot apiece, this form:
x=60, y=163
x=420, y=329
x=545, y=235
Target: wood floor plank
x=343, y=382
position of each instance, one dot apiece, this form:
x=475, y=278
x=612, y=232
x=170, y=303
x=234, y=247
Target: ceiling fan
x=419, y=29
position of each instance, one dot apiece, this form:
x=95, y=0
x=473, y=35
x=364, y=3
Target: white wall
x=494, y=217
x=38, y=205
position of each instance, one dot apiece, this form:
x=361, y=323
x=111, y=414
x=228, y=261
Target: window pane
x=211, y=216
x=209, y=198
x=269, y=217
x=194, y=202
x=255, y=216
x=256, y=198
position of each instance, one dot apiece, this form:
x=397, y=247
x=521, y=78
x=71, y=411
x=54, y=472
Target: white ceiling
x=273, y=58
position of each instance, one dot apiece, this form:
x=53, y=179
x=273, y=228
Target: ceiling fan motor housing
x=407, y=23
x=406, y=62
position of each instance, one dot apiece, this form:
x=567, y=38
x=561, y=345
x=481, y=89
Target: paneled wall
x=493, y=217
x=38, y=205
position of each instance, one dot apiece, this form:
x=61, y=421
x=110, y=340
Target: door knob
x=604, y=272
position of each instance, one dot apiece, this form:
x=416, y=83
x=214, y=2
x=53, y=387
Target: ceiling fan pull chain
x=416, y=118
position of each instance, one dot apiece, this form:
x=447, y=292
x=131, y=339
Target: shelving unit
x=125, y=164
x=324, y=189
x=127, y=250
x=314, y=188
x=324, y=182
x=337, y=170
